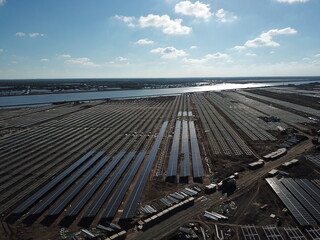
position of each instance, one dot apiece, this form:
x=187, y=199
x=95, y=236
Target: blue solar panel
x=310, y=188
x=197, y=166
x=296, y=209
x=311, y=205
x=118, y=196
x=36, y=197
x=135, y=196
x=61, y=189
x=60, y=205
x=173, y=159
x=106, y=190
x=185, y=163
x=85, y=196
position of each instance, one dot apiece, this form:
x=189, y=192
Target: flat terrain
x=75, y=165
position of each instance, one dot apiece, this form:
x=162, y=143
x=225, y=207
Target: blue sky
x=158, y=38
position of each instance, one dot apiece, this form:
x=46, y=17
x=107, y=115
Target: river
x=26, y=100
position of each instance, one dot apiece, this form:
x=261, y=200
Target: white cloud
x=169, y=26
x=251, y=54
x=1, y=50
x=317, y=55
x=169, y=52
x=121, y=59
x=2, y=2
x=265, y=39
x=144, y=41
x=34, y=35
x=65, y=55
x=128, y=20
x=85, y=62
x=207, y=57
x=272, y=52
x=197, y=9
x=238, y=48
x=20, y=34
x=44, y=60
x=292, y=1
x=193, y=47
x=225, y=16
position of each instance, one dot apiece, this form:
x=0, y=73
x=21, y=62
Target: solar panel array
x=107, y=188
x=41, y=207
x=132, y=204
x=304, y=198
x=85, y=196
x=22, y=208
x=185, y=163
x=173, y=159
x=311, y=189
x=295, y=207
x=60, y=205
x=197, y=166
x=118, y=196
x=315, y=158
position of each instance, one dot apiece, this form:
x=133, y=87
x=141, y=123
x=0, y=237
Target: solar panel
x=106, y=190
x=135, y=196
x=61, y=189
x=118, y=196
x=296, y=209
x=173, y=159
x=185, y=163
x=310, y=188
x=197, y=166
x=85, y=196
x=60, y=205
x=308, y=202
x=36, y=197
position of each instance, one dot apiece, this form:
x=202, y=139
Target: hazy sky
x=158, y=38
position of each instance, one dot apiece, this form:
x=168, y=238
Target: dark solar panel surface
x=118, y=196
x=106, y=190
x=62, y=203
x=135, y=196
x=173, y=159
x=296, y=209
x=185, y=163
x=67, y=183
x=197, y=166
x=307, y=201
x=85, y=196
x=310, y=188
x=36, y=197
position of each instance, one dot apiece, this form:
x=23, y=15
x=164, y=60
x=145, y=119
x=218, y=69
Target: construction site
x=239, y=164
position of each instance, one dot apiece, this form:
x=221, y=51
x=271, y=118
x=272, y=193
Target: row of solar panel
x=185, y=114
x=185, y=163
x=59, y=185
x=132, y=204
x=301, y=197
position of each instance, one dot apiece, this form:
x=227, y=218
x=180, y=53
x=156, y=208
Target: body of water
x=82, y=96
